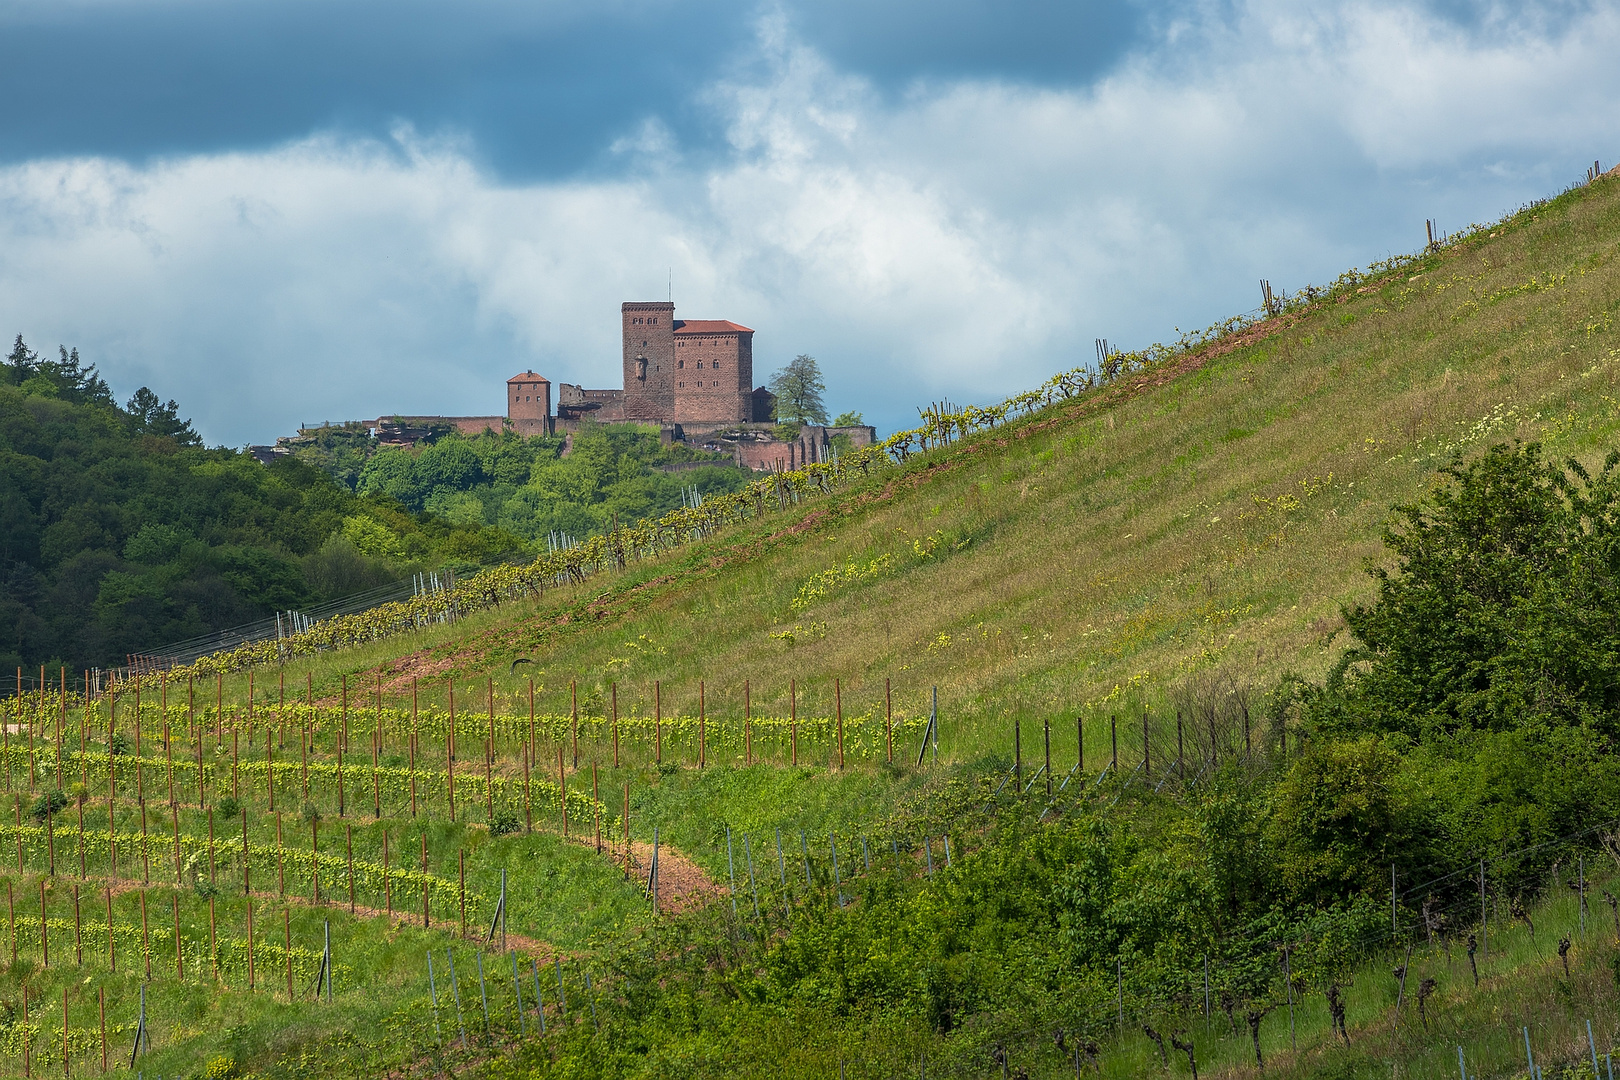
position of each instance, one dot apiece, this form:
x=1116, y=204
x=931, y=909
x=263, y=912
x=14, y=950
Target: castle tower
x=649, y=360
x=528, y=403
x=714, y=371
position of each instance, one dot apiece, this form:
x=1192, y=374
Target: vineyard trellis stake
x=838, y=885
x=517, y=989
x=499, y=920
x=433, y=992
x=932, y=729
x=732, y=871
x=455, y=991
x=483, y=993
x=143, y=1038
x=539, y=1002
x=748, y=855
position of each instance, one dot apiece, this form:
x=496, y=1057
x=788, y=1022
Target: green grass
x=1102, y=555
x=1143, y=549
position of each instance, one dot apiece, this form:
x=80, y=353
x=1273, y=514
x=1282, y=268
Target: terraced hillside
x=755, y=703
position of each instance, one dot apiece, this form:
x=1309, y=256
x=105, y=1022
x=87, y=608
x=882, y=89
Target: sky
x=280, y=213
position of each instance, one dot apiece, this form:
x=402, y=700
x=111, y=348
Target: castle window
x=652, y=321
x=680, y=363
x=717, y=365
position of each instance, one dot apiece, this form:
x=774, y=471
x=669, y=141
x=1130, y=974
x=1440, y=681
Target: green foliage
x=120, y=533
x=1478, y=707
x=1500, y=612
x=798, y=389
x=66, y=379
x=227, y=808
x=153, y=416
x=504, y=823
x=849, y=418
x=528, y=488
x=1338, y=821
x=48, y=804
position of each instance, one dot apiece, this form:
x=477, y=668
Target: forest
x=120, y=532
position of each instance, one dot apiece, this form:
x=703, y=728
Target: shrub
x=503, y=823
x=51, y=802
x=228, y=807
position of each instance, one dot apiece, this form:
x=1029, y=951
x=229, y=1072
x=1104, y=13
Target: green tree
x=153, y=416
x=798, y=389
x=848, y=418
x=1500, y=612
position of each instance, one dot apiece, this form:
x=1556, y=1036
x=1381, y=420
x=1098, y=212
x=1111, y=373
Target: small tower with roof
x=528, y=403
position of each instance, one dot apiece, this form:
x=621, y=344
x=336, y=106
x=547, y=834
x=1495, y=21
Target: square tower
x=528, y=403
x=714, y=371
x=649, y=360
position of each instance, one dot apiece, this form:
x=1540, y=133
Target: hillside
x=1211, y=518
x=1155, y=556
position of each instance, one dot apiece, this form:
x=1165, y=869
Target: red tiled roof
x=709, y=326
x=528, y=376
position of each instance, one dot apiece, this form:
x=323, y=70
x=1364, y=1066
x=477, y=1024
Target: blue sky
x=294, y=211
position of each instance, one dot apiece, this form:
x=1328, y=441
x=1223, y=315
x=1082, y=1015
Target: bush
x=503, y=823
x=52, y=802
x=228, y=807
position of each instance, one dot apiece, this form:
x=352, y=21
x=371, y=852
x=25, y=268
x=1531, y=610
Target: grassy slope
x=1095, y=557
x=1090, y=560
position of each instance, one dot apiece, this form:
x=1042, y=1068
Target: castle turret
x=528, y=403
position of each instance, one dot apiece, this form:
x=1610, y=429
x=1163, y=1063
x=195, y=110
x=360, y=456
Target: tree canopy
x=121, y=533
x=1503, y=609
x=798, y=389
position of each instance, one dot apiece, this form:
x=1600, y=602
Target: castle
x=691, y=377
x=676, y=371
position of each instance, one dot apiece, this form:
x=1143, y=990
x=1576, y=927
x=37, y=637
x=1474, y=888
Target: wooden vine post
x=748, y=726
x=701, y=720
x=489, y=755
x=793, y=718
x=342, y=737
x=562, y=790
x=888, y=720
x=307, y=728
x=838, y=697
x=450, y=752
x=376, y=752
x=412, y=751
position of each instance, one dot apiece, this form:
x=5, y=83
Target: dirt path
x=682, y=884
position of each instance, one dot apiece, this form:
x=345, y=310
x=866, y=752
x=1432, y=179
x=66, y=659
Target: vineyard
x=1006, y=747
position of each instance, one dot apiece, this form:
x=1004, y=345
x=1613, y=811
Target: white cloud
x=963, y=240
